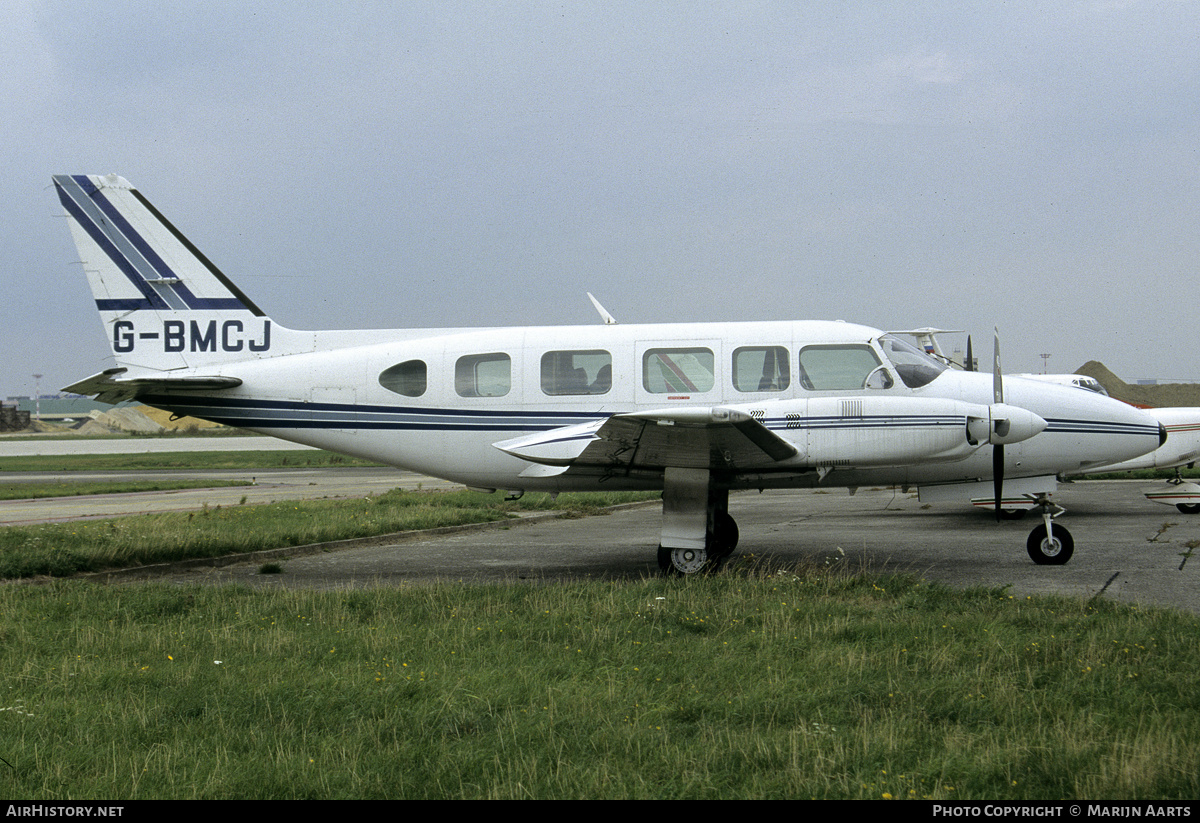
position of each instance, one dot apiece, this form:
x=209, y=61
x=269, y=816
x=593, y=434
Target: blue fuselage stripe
x=284, y=414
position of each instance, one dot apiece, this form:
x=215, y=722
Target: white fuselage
x=470, y=389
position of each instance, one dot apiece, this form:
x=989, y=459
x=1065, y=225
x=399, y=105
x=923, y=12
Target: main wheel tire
x=1053, y=550
x=685, y=562
x=1188, y=508
x=724, y=537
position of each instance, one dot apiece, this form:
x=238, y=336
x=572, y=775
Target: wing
x=708, y=437
x=822, y=433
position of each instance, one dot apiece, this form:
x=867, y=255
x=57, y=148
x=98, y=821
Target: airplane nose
x=1162, y=435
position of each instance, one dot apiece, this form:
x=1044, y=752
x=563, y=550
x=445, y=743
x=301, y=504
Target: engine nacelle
x=893, y=431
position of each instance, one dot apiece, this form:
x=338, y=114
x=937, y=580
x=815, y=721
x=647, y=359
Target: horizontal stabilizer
x=107, y=387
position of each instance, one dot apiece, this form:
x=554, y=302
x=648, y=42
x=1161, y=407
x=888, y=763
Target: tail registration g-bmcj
x=697, y=410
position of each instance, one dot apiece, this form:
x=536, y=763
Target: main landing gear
x=698, y=531
x=719, y=543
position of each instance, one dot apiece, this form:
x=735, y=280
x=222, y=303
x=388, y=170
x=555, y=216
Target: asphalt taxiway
x=1126, y=548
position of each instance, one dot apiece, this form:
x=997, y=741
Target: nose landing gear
x=1049, y=545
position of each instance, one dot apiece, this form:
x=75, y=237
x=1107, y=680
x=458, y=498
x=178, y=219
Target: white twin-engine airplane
x=696, y=410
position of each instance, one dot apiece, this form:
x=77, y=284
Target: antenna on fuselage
x=608, y=319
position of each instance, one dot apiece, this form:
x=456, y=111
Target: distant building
x=13, y=418
x=58, y=407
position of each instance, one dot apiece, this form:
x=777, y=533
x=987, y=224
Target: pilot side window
x=678, y=370
x=483, y=375
x=761, y=368
x=576, y=372
x=409, y=378
x=836, y=368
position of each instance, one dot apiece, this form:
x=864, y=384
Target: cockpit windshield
x=1091, y=384
x=914, y=366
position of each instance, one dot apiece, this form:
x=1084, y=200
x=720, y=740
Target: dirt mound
x=1165, y=394
x=91, y=428
x=126, y=419
x=164, y=419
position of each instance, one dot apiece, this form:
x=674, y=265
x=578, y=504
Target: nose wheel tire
x=1054, y=549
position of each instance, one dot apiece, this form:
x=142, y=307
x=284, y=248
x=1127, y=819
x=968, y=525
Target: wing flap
x=694, y=437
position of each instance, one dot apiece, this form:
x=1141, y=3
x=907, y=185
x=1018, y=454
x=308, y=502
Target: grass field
x=755, y=683
x=769, y=683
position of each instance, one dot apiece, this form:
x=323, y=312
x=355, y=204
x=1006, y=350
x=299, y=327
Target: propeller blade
x=998, y=476
x=970, y=364
x=997, y=378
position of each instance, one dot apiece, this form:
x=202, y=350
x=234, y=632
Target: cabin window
x=576, y=372
x=836, y=368
x=678, y=370
x=761, y=368
x=409, y=378
x=483, y=375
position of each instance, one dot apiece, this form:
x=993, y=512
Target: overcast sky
x=1032, y=166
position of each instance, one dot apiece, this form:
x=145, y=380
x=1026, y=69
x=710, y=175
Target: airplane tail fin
x=164, y=305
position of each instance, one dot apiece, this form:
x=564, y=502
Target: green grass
x=61, y=549
x=25, y=491
x=755, y=684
